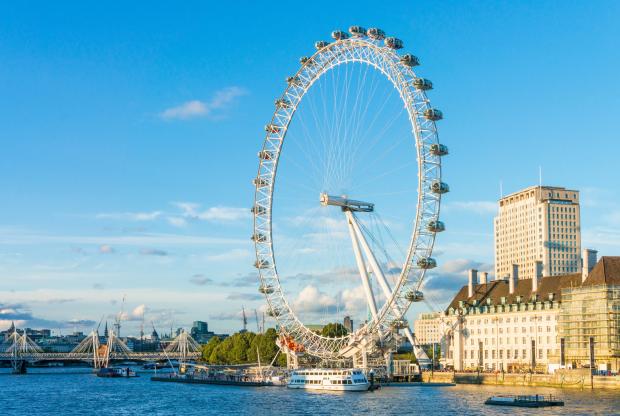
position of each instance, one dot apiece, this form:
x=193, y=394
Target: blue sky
x=130, y=135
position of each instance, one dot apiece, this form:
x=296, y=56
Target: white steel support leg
x=370, y=256
x=382, y=280
x=370, y=297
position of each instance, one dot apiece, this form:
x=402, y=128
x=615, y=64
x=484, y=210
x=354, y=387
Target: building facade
x=536, y=324
x=428, y=328
x=590, y=313
x=539, y=223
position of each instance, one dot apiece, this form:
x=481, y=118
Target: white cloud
x=478, y=207
x=131, y=216
x=311, y=299
x=196, y=108
x=234, y=254
x=106, y=249
x=192, y=211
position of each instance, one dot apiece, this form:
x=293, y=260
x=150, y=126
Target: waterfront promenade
x=574, y=379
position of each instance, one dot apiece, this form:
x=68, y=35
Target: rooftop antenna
x=539, y=176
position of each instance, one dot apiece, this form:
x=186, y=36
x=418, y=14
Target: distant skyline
x=130, y=136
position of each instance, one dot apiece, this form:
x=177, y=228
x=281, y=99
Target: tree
x=207, y=349
x=333, y=330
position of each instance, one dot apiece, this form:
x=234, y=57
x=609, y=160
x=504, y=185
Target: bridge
x=20, y=349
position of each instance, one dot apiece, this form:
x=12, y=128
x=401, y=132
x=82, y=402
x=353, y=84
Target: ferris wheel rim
x=428, y=204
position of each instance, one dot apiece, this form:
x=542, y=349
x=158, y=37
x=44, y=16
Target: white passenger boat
x=329, y=379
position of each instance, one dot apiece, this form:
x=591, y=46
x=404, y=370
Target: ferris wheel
x=387, y=297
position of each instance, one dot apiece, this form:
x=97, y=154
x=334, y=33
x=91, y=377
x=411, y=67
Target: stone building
x=536, y=324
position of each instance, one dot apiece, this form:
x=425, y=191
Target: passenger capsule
x=260, y=182
x=320, y=44
x=427, y=263
x=399, y=324
x=266, y=289
x=422, y=84
x=436, y=226
x=272, y=128
x=439, y=149
x=393, y=43
x=258, y=210
x=304, y=59
x=265, y=155
x=409, y=60
x=375, y=33
x=259, y=238
x=340, y=35
x=439, y=187
x=273, y=312
x=282, y=103
x=433, y=114
x=293, y=81
x=357, y=31
x=261, y=264
x=414, y=296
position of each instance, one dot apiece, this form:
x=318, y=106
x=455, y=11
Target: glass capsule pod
x=393, y=43
x=258, y=210
x=293, y=81
x=320, y=44
x=259, y=238
x=272, y=128
x=261, y=264
x=427, y=263
x=340, y=35
x=414, y=296
x=436, y=226
x=422, y=84
x=266, y=289
x=433, y=114
x=260, y=182
x=282, y=103
x=273, y=312
x=439, y=149
x=265, y=155
x=409, y=60
x=399, y=324
x=375, y=33
x=305, y=59
x=439, y=187
x=357, y=31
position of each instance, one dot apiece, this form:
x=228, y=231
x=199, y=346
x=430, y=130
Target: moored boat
x=113, y=372
x=536, y=400
x=329, y=379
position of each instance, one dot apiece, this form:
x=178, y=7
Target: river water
x=78, y=391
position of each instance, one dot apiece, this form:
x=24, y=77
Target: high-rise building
x=538, y=226
x=348, y=324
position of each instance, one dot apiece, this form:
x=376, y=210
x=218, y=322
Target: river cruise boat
x=329, y=379
x=116, y=372
x=536, y=400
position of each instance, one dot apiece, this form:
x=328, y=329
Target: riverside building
x=538, y=224
x=536, y=324
x=428, y=328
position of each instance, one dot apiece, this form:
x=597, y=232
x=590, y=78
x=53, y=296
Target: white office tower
x=539, y=223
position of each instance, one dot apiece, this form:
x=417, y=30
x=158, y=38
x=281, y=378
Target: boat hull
x=328, y=387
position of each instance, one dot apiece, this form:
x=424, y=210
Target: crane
x=245, y=319
x=257, y=324
x=119, y=318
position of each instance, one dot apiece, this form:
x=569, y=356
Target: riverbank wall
x=561, y=379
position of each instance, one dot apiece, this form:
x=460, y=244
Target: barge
x=536, y=400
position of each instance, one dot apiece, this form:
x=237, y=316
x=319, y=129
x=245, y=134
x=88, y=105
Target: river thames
x=78, y=391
